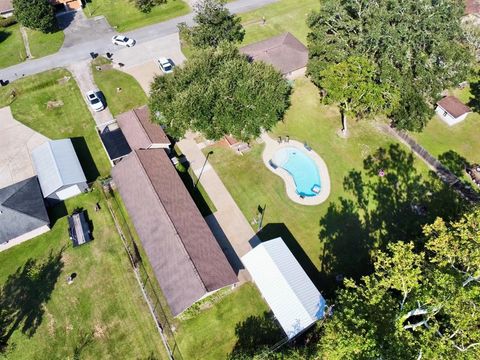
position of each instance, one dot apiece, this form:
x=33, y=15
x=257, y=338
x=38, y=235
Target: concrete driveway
x=140, y=61
x=16, y=143
x=79, y=29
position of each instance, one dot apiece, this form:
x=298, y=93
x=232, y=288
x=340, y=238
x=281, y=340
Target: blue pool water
x=301, y=167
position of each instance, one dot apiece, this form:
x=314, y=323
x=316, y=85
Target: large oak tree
x=35, y=14
x=218, y=92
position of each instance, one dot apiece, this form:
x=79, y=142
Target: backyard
x=123, y=14
x=102, y=315
x=52, y=104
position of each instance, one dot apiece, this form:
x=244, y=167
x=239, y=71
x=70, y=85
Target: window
x=445, y=113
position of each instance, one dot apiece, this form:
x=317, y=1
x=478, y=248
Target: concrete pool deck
x=272, y=146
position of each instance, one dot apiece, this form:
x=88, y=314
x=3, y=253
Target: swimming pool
x=301, y=167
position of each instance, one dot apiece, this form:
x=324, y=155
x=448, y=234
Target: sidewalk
x=82, y=73
x=228, y=215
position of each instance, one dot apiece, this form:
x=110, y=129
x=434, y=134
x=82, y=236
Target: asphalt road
x=101, y=43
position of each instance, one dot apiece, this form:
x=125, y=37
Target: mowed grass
x=282, y=16
x=44, y=44
x=12, y=50
x=211, y=334
x=252, y=184
x=102, y=315
x=29, y=98
x=131, y=94
x=125, y=16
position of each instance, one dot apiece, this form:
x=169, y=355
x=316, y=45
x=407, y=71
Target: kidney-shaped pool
x=301, y=168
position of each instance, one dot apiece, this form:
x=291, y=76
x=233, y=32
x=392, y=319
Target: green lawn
x=12, y=50
x=284, y=15
x=102, y=315
x=125, y=16
x=211, y=334
x=44, y=44
x=334, y=237
x=70, y=120
x=131, y=94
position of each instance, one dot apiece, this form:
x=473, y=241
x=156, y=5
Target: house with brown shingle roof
x=451, y=110
x=185, y=256
x=6, y=8
x=284, y=52
x=140, y=131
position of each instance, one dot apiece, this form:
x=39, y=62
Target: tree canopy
x=35, y=14
x=417, y=45
x=416, y=304
x=213, y=24
x=218, y=92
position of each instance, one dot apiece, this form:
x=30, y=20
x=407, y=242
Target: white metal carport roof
x=295, y=301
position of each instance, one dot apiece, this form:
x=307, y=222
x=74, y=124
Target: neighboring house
x=6, y=8
x=285, y=52
x=58, y=170
x=472, y=7
x=68, y=5
x=292, y=296
x=451, y=110
x=140, y=132
x=185, y=256
x=22, y=213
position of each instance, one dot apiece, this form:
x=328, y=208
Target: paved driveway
x=140, y=61
x=79, y=29
x=16, y=143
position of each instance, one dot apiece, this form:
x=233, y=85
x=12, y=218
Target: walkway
x=443, y=173
x=82, y=72
x=101, y=43
x=229, y=217
x=272, y=146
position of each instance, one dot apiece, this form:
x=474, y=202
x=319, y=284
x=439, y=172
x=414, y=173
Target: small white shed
x=58, y=169
x=451, y=110
x=295, y=301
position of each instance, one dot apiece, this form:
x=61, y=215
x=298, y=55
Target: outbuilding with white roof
x=295, y=301
x=58, y=169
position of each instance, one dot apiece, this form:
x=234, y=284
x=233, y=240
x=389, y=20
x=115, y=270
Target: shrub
x=6, y=22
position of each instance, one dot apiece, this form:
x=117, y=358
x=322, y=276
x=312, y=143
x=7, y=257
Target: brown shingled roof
x=472, y=6
x=185, y=256
x=453, y=106
x=285, y=52
x=139, y=130
x=5, y=6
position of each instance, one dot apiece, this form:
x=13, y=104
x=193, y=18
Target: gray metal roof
x=57, y=165
x=22, y=209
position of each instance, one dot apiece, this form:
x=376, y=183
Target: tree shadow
x=254, y=334
x=474, y=101
x=386, y=202
x=85, y=158
x=23, y=295
x=4, y=35
x=454, y=162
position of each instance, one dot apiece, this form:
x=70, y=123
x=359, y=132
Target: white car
x=165, y=65
x=94, y=101
x=123, y=40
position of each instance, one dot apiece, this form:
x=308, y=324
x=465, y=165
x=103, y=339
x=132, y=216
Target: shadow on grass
x=24, y=294
x=474, y=101
x=85, y=158
x=56, y=211
x=454, y=162
x=254, y=334
x=4, y=35
x=388, y=201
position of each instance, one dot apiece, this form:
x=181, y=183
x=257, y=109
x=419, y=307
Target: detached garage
x=58, y=169
x=292, y=296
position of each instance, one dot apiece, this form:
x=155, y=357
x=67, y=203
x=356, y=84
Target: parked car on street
x=123, y=40
x=165, y=65
x=94, y=101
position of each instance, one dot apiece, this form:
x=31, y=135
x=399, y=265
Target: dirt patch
x=63, y=80
x=100, y=331
x=104, y=67
x=51, y=321
x=53, y=104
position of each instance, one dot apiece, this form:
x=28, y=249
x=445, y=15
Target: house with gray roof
x=22, y=213
x=58, y=169
x=284, y=52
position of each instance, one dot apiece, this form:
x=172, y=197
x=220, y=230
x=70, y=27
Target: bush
x=146, y=6
x=6, y=22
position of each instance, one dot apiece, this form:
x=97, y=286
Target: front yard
x=123, y=14
x=102, y=315
x=52, y=104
